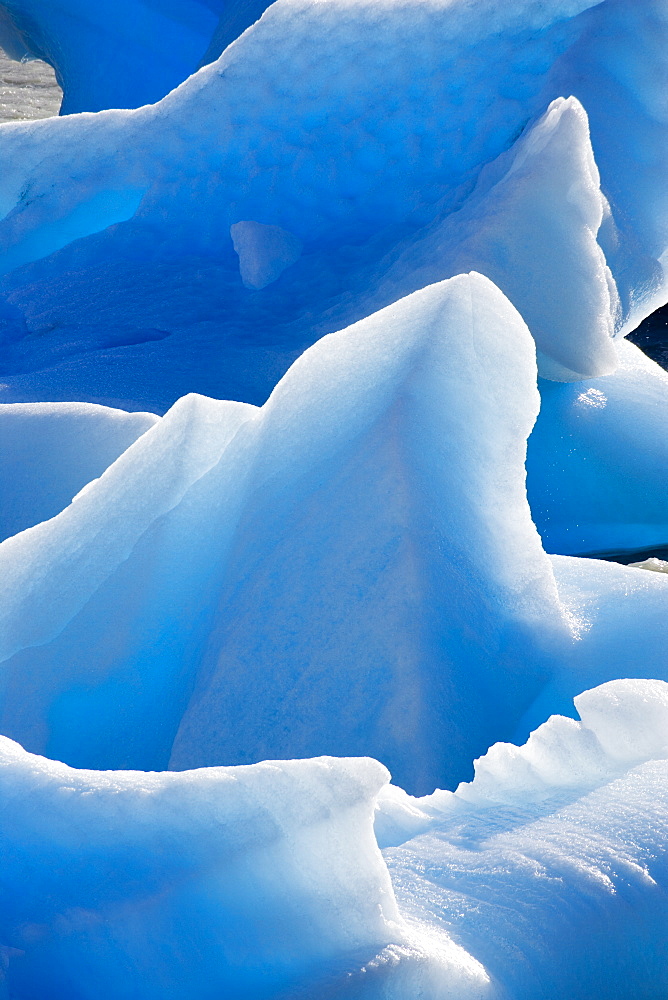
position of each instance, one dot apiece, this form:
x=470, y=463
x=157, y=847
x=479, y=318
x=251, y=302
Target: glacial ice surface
x=367, y=530
x=545, y=876
x=53, y=450
x=366, y=150
x=597, y=462
x=343, y=563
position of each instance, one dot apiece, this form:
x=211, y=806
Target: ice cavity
x=550, y=868
x=264, y=252
x=91, y=215
x=531, y=227
x=119, y=54
x=367, y=530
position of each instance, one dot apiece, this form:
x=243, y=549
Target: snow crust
x=171, y=881
x=546, y=869
x=550, y=866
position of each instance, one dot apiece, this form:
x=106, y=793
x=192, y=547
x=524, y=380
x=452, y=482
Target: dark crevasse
x=652, y=336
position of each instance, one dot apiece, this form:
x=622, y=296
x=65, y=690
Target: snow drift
x=540, y=876
x=550, y=868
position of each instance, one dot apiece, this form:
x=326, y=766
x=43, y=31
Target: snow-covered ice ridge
x=315, y=392
x=545, y=877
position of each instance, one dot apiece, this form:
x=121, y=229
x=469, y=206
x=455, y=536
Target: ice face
x=531, y=227
x=618, y=70
x=466, y=80
x=53, y=451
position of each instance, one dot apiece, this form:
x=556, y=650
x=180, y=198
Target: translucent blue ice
x=342, y=316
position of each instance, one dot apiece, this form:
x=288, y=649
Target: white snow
x=172, y=881
x=550, y=868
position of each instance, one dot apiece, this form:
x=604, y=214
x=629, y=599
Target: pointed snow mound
x=350, y=570
x=385, y=571
x=531, y=226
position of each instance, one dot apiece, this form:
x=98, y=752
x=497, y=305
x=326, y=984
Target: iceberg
x=366, y=531
x=316, y=403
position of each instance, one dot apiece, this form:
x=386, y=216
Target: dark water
x=652, y=336
x=639, y=555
